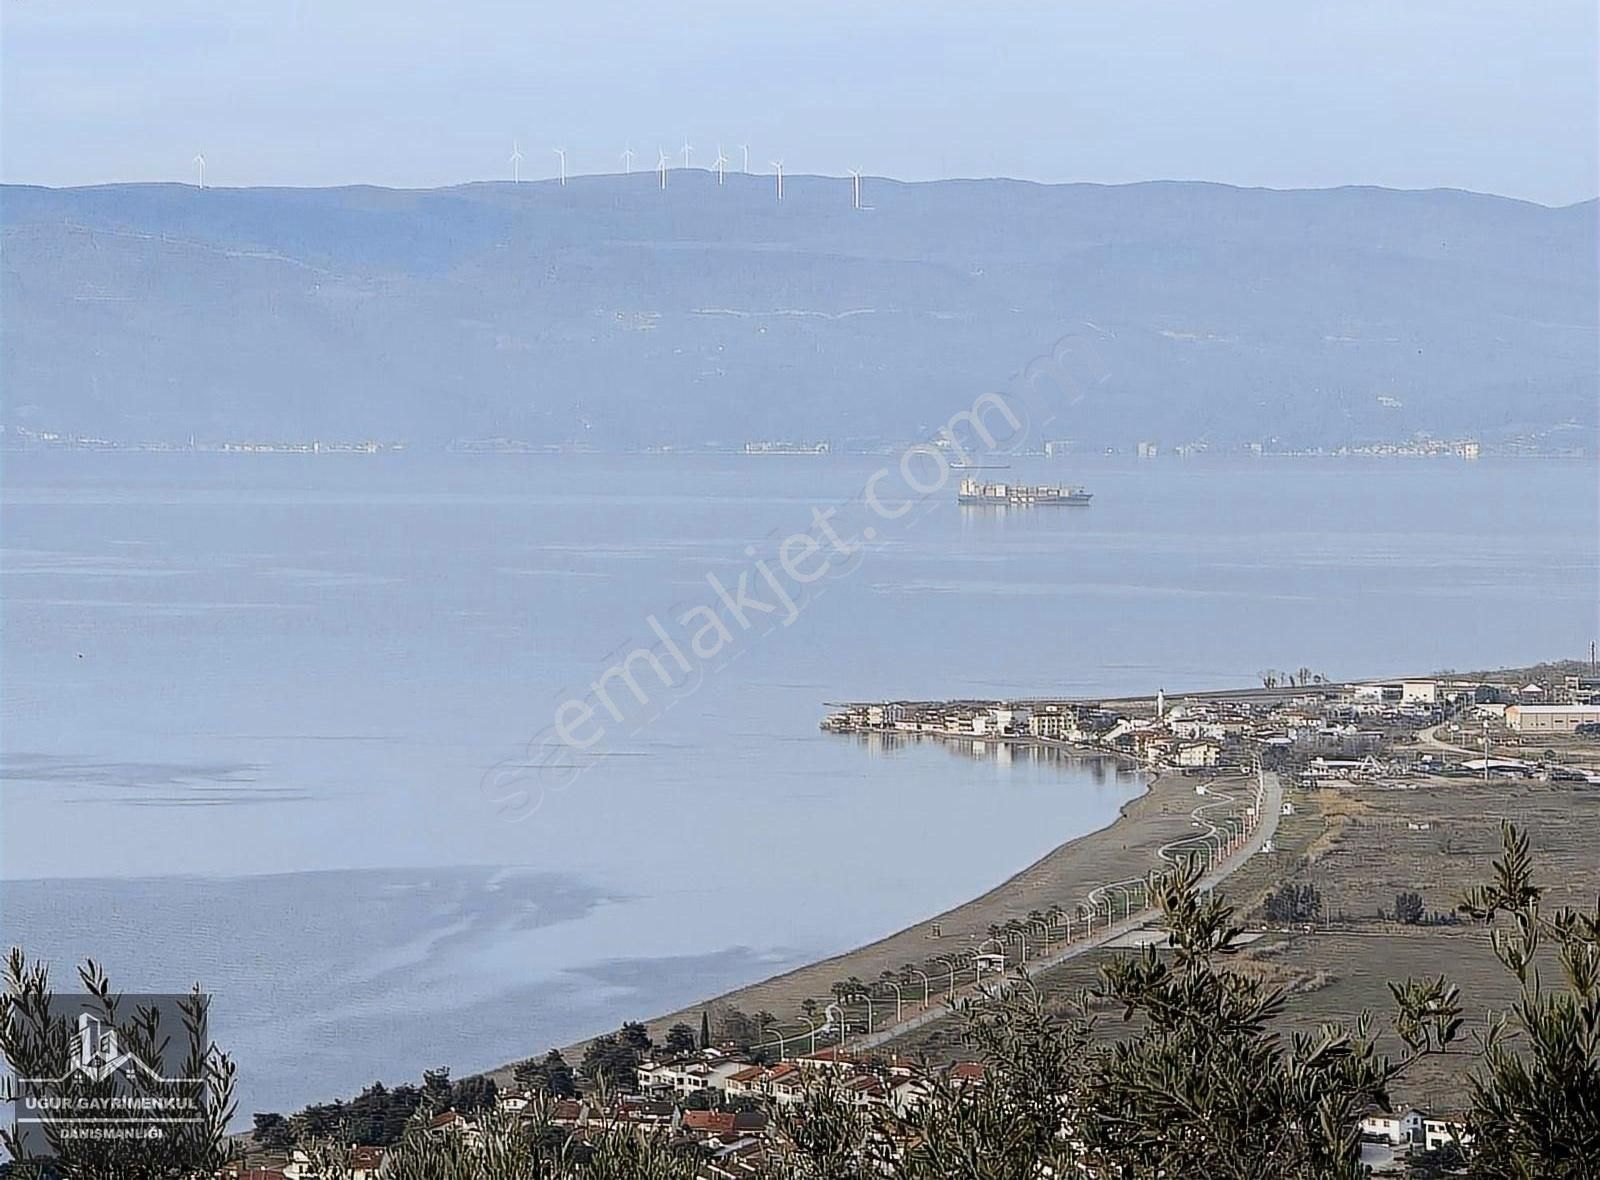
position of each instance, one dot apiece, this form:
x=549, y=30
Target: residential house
x=781, y=1083
x=864, y=1090
x=1193, y=755
x=1436, y=1132
x=363, y=1163
x=1396, y=1127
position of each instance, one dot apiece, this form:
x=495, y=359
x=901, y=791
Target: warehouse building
x=1550, y=718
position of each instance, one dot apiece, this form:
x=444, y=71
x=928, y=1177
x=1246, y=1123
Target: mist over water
x=248, y=703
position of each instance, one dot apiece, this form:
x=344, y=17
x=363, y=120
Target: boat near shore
x=1003, y=495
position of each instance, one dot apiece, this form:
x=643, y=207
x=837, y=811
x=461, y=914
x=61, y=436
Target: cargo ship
x=1014, y=495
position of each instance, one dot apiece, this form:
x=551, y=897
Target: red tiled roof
x=714, y=1122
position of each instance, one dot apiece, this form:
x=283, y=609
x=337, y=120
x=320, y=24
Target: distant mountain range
x=611, y=313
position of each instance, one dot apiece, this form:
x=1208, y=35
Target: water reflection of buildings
x=1100, y=767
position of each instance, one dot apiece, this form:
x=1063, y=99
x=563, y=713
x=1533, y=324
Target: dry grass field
x=1360, y=845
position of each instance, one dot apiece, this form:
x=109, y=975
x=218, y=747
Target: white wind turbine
x=686, y=150
x=720, y=164
x=561, y=154
x=855, y=177
x=746, y=149
x=778, y=166
x=200, y=162
x=516, y=163
x=627, y=159
x=661, y=167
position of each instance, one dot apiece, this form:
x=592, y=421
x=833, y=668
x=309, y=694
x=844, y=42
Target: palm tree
x=1014, y=929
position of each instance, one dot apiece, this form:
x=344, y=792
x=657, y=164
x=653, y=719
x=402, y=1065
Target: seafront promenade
x=1160, y=818
x=1269, y=805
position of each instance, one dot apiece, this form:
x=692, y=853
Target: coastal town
x=1297, y=721
x=733, y=1094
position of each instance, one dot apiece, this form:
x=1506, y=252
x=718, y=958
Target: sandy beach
x=1125, y=848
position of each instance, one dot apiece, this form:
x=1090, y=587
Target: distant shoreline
x=1490, y=453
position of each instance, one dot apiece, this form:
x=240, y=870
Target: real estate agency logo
x=116, y=1081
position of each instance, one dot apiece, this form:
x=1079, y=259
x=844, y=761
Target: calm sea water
x=249, y=704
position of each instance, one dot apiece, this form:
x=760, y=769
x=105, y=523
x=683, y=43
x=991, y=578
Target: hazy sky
x=1498, y=97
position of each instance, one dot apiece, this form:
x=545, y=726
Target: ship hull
x=1076, y=500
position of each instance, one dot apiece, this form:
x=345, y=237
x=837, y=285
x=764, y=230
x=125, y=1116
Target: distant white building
x=1438, y=1132
x=707, y=1071
x=1550, y=718
x=1419, y=692
x=1199, y=754
x=879, y=716
x=1395, y=1128
x=1010, y=719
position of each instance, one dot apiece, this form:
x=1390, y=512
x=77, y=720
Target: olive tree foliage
x=1200, y=1084
x=1016, y=1122
x=1196, y=1080
x=825, y=1137
x=1206, y=1086
x=1536, y=1091
x=526, y=1146
x=37, y=1041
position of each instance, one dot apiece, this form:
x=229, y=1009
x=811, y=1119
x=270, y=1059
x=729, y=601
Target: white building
x=1550, y=718
x=1199, y=754
x=1438, y=1132
x=1395, y=1128
x=710, y=1071
x=1010, y=719
x=1419, y=692
x=1055, y=723
x=879, y=716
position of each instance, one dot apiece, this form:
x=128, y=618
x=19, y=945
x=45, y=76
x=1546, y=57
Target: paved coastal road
x=1271, y=809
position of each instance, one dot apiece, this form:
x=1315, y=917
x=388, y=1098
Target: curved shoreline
x=1126, y=847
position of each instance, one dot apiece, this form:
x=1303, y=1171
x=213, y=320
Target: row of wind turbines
x=664, y=167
